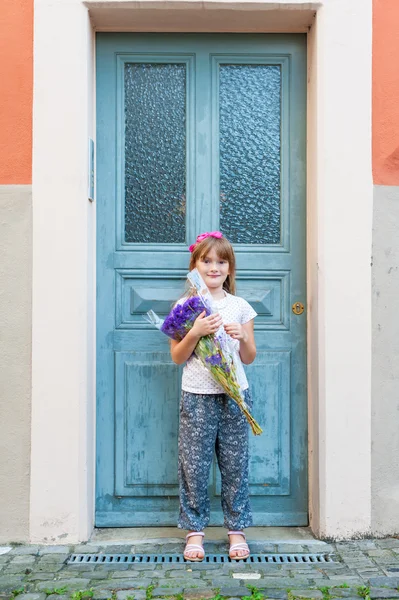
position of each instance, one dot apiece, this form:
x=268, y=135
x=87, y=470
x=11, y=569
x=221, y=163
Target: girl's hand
x=206, y=325
x=236, y=331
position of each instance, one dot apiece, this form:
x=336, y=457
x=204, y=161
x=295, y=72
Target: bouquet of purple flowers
x=213, y=350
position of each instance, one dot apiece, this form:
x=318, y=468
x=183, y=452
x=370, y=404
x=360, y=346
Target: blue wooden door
x=198, y=132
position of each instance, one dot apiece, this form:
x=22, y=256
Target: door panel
x=147, y=385
x=198, y=132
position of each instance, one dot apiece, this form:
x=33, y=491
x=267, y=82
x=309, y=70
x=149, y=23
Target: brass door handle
x=298, y=308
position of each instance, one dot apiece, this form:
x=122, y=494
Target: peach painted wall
x=16, y=85
x=385, y=92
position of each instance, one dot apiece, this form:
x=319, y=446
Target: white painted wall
x=15, y=360
x=340, y=213
x=385, y=381
x=63, y=263
x=343, y=192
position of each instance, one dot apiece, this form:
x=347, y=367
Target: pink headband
x=203, y=236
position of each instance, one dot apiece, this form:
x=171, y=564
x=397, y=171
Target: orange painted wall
x=16, y=91
x=385, y=92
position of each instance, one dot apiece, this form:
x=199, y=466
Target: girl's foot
x=238, y=546
x=194, y=550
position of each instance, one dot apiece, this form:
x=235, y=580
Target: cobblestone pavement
x=363, y=569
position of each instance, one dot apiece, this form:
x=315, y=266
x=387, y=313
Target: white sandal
x=193, y=547
x=240, y=546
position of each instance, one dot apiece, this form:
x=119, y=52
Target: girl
x=209, y=420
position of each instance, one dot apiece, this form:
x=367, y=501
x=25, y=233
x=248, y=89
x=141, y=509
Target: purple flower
x=181, y=318
x=214, y=360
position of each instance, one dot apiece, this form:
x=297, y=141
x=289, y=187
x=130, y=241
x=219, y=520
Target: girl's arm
x=181, y=351
x=245, y=335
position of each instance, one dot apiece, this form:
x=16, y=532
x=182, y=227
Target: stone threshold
x=156, y=535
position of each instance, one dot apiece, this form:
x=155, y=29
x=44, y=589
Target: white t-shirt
x=197, y=378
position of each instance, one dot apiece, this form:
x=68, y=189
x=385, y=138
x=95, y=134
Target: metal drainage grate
x=118, y=559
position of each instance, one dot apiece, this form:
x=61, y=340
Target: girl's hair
x=224, y=250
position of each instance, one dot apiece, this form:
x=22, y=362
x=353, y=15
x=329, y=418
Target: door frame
x=284, y=501
x=63, y=313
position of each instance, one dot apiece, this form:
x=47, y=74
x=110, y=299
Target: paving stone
x=316, y=548
x=111, y=567
x=15, y=569
x=5, y=549
x=57, y=597
x=117, y=549
x=300, y=569
x=120, y=575
x=234, y=591
x=392, y=582
x=137, y=594
x=191, y=595
x=307, y=593
x=268, y=570
x=383, y=593
x=40, y=576
x=187, y=582
x=380, y=553
x=388, y=543
x=347, y=554
x=102, y=594
x=247, y=576
x=175, y=574
x=370, y=572
x=338, y=580
x=57, y=557
x=309, y=572
x=91, y=575
x=23, y=559
x=262, y=548
x=174, y=566
x=54, y=550
x=122, y=584
x=233, y=566
x=161, y=592
x=389, y=573
x=143, y=548
x=32, y=596
x=81, y=575
x=342, y=592
x=367, y=544
x=86, y=549
x=346, y=572
x=360, y=564
x=134, y=584
x=20, y=550
x=273, y=593
x=79, y=568
x=157, y=575
x=286, y=548
x=278, y=582
x=48, y=568
x=70, y=584
x=134, y=566
x=10, y=582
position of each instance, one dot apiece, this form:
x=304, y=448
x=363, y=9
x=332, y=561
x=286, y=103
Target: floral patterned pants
x=209, y=423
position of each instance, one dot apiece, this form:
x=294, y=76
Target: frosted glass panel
x=155, y=152
x=249, y=101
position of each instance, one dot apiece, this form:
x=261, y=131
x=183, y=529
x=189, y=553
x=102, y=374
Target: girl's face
x=214, y=270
